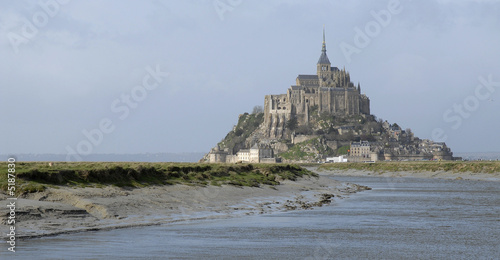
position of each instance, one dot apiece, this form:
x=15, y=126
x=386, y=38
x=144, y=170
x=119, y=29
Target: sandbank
x=66, y=209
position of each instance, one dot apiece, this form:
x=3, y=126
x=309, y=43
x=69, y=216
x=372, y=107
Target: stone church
x=330, y=90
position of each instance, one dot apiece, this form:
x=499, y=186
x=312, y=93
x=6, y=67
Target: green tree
x=257, y=109
x=292, y=123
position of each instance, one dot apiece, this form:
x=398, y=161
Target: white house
x=339, y=159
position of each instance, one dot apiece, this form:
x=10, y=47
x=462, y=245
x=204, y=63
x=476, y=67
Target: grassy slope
x=475, y=167
x=247, y=124
x=298, y=151
x=36, y=176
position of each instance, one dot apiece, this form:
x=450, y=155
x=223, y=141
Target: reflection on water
x=399, y=219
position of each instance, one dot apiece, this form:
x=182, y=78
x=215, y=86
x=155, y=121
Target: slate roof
x=308, y=76
x=336, y=89
x=323, y=59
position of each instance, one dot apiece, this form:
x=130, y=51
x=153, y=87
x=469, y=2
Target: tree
x=304, y=130
x=292, y=123
x=238, y=132
x=257, y=109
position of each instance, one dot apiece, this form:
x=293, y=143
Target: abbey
x=322, y=115
x=330, y=91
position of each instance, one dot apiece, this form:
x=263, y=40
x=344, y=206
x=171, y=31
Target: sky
x=85, y=77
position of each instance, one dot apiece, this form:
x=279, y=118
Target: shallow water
x=401, y=218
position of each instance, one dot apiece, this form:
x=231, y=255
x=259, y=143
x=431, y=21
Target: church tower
x=324, y=65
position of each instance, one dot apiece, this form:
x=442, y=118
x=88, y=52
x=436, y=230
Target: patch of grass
x=419, y=166
x=37, y=176
x=31, y=187
x=343, y=150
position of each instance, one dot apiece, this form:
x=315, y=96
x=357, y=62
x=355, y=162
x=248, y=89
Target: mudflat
x=479, y=176
x=60, y=209
x=64, y=209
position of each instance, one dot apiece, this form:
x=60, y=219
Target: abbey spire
x=323, y=59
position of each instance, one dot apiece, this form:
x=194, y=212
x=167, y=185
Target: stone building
x=218, y=155
x=330, y=90
x=360, y=149
x=256, y=154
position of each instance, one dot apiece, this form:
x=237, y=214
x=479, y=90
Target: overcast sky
x=173, y=76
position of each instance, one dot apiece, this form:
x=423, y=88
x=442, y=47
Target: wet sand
x=437, y=174
x=66, y=210
x=400, y=218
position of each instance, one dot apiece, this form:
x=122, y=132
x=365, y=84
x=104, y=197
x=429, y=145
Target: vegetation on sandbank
x=37, y=176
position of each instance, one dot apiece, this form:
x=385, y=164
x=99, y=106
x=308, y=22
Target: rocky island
x=321, y=116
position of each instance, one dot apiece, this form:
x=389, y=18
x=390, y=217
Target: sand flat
x=67, y=209
x=423, y=174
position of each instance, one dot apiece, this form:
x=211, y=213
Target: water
x=400, y=218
